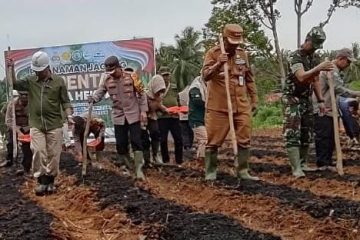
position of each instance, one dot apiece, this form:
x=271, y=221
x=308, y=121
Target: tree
x=185, y=58
x=236, y=11
x=339, y=4
x=268, y=17
x=188, y=56
x=298, y=4
x=352, y=74
x=164, y=55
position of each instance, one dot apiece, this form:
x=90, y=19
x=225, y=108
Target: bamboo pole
x=9, y=77
x=339, y=158
x=84, y=143
x=229, y=104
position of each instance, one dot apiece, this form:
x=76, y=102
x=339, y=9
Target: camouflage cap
x=346, y=52
x=317, y=37
x=164, y=71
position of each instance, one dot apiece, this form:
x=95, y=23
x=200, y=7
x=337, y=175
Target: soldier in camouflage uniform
x=302, y=79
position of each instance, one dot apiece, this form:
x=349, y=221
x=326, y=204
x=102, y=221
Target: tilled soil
x=176, y=203
x=20, y=218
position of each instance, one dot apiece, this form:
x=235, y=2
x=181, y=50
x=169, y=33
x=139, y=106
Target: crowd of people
x=142, y=117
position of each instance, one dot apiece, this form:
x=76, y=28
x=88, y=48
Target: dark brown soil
x=175, y=203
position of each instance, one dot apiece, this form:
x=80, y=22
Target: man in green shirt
x=170, y=122
x=48, y=96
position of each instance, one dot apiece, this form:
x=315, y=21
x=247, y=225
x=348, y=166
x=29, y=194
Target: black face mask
x=42, y=74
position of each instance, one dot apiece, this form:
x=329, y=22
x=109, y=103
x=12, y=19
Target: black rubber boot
x=41, y=187
x=50, y=187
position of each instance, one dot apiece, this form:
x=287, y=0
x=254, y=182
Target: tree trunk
x=278, y=54
x=299, y=30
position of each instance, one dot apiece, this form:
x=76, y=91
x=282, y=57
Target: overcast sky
x=39, y=23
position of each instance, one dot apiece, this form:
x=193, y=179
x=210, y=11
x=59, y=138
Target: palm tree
x=164, y=55
x=184, y=59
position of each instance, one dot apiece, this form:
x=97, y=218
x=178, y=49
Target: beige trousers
x=217, y=128
x=201, y=137
x=46, y=148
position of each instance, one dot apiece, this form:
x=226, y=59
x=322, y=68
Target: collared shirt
x=242, y=84
x=46, y=101
x=21, y=114
x=339, y=88
x=127, y=102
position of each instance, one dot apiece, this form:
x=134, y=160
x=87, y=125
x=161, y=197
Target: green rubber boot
x=139, y=162
x=129, y=161
x=294, y=158
x=156, y=153
x=210, y=164
x=304, y=157
x=243, y=165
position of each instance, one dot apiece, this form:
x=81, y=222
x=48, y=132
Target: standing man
x=186, y=131
x=197, y=99
x=324, y=126
x=128, y=111
x=170, y=122
x=47, y=97
x=243, y=98
x=303, y=77
x=22, y=127
x=151, y=135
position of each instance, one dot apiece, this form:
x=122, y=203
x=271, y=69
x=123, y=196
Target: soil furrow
x=255, y=211
x=164, y=218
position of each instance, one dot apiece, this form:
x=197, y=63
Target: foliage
x=3, y=102
x=268, y=115
x=184, y=59
x=266, y=76
x=237, y=11
x=252, y=15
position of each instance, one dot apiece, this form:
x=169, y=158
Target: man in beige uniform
x=242, y=87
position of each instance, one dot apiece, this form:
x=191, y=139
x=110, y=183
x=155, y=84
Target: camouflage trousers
x=298, y=121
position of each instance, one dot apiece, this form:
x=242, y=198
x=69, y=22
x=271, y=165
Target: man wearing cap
x=128, y=112
x=20, y=102
x=323, y=127
x=302, y=79
x=243, y=99
x=48, y=95
x=170, y=122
